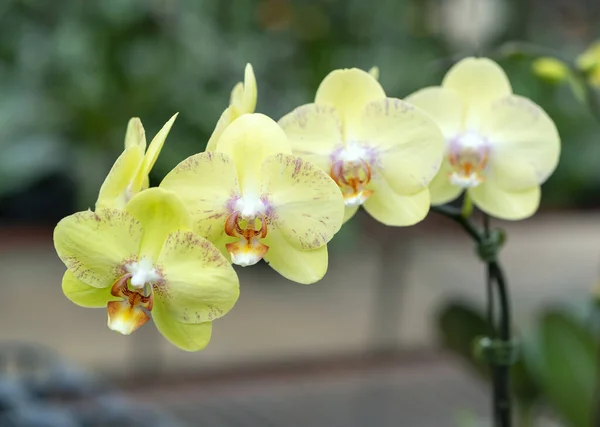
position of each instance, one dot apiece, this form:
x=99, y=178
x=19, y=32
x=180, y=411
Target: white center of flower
x=245, y=258
x=468, y=155
x=250, y=207
x=142, y=272
x=352, y=153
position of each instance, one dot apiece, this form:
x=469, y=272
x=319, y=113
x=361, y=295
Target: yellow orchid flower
x=142, y=260
x=382, y=152
x=242, y=101
x=254, y=200
x=129, y=174
x=499, y=146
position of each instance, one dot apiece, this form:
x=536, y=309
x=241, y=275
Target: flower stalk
x=499, y=347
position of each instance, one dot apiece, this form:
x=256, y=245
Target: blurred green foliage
x=72, y=73
x=557, y=374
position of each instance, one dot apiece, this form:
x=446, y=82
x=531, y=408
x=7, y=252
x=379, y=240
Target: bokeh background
x=377, y=342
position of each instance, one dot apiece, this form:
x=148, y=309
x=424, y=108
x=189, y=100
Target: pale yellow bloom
x=143, y=261
x=500, y=147
x=254, y=200
x=382, y=152
x=242, y=101
x=129, y=174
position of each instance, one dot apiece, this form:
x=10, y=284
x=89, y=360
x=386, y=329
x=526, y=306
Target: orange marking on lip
x=129, y=314
x=352, y=180
x=249, y=246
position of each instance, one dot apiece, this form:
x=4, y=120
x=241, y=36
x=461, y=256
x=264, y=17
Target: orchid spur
x=499, y=147
x=382, y=152
x=254, y=200
x=143, y=261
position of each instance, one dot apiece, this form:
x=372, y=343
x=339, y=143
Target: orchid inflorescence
x=280, y=191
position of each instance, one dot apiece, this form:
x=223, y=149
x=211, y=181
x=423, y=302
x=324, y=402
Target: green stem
x=501, y=397
x=467, y=207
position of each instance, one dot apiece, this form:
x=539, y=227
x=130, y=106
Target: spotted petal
x=407, y=145
x=208, y=185
x=199, y=283
x=160, y=212
x=294, y=264
x=85, y=295
x=186, y=336
x=307, y=206
x=248, y=141
x=314, y=131
x=525, y=143
x=95, y=245
x=349, y=91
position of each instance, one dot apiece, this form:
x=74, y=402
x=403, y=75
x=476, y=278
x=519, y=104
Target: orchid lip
x=129, y=314
x=352, y=178
x=468, y=154
x=248, y=250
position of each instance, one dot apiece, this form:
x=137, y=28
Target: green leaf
x=568, y=366
x=459, y=325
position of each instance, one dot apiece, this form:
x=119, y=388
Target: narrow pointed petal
x=305, y=267
x=374, y=71
x=408, y=145
x=242, y=101
x=95, y=245
x=224, y=120
x=479, y=81
x=237, y=98
x=135, y=134
x=246, y=103
x=186, y=336
x=199, y=283
x=393, y=209
x=207, y=183
x=160, y=212
x=445, y=106
x=349, y=90
x=308, y=207
x=502, y=204
x=85, y=295
x=152, y=153
x=526, y=144
x=116, y=189
x=441, y=190
x=248, y=141
x=314, y=131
